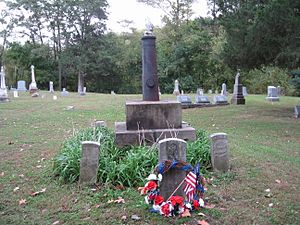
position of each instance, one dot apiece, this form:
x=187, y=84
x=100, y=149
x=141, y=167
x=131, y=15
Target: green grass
x=264, y=143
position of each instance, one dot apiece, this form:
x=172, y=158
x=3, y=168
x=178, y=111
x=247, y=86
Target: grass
x=264, y=145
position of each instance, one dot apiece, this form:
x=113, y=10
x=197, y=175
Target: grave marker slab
x=21, y=86
x=220, y=99
x=176, y=88
x=201, y=99
x=297, y=111
x=51, y=89
x=3, y=89
x=100, y=123
x=172, y=149
x=272, y=94
x=64, y=93
x=184, y=99
x=245, y=91
x=238, y=97
x=219, y=152
x=89, y=162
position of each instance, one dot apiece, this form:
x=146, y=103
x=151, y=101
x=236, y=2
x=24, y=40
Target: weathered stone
x=3, y=89
x=136, y=137
x=172, y=149
x=176, y=88
x=219, y=152
x=153, y=115
x=272, y=94
x=21, y=86
x=51, y=89
x=297, y=111
x=33, y=86
x=89, y=162
x=100, y=123
x=184, y=99
x=64, y=93
x=224, y=89
x=16, y=94
x=220, y=99
x=238, y=97
x=201, y=99
x=210, y=91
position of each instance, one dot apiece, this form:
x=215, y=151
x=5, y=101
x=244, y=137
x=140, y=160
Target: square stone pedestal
x=150, y=136
x=150, y=121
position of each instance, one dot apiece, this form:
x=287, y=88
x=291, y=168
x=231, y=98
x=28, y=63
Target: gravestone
x=238, y=97
x=112, y=93
x=176, y=88
x=54, y=97
x=279, y=91
x=33, y=86
x=89, y=162
x=172, y=149
x=64, y=93
x=51, y=89
x=245, y=91
x=83, y=91
x=297, y=111
x=224, y=89
x=219, y=152
x=151, y=120
x=16, y=94
x=220, y=99
x=200, y=92
x=201, y=99
x=272, y=94
x=209, y=91
x=184, y=99
x=21, y=86
x=3, y=89
x=100, y=123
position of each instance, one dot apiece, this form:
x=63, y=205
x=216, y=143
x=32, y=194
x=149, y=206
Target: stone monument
x=3, y=89
x=224, y=89
x=297, y=111
x=238, y=97
x=272, y=94
x=32, y=87
x=245, y=93
x=151, y=120
x=51, y=89
x=64, y=93
x=219, y=152
x=176, y=88
x=21, y=86
x=201, y=98
x=89, y=162
x=172, y=149
x=184, y=99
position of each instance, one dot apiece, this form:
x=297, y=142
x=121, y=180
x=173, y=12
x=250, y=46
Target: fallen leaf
x=186, y=213
x=16, y=189
x=44, y=210
x=209, y=206
x=2, y=174
x=38, y=192
x=93, y=189
x=123, y=217
x=201, y=214
x=21, y=175
x=120, y=200
x=267, y=190
x=10, y=142
x=202, y=222
x=271, y=205
x=22, y=202
x=278, y=181
x=135, y=217
x=97, y=206
x=56, y=222
x=110, y=201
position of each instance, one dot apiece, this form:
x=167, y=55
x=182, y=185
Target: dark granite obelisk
x=238, y=97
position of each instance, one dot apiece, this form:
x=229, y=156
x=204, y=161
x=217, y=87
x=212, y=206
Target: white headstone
x=245, y=91
x=209, y=91
x=51, y=89
x=32, y=86
x=224, y=89
x=16, y=94
x=3, y=89
x=219, y=152
x=272, y=94
x=200, y=91
x=176, y=88
x=112, y=93
x=297, y=111
x=64, y=93
x=21, y=86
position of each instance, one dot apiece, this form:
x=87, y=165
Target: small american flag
x=190, y=185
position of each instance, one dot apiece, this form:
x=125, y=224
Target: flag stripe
x=190, y=185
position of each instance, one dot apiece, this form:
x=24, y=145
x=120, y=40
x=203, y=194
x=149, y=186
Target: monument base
x=4, y=99
x=137, y=137
x=33, y=90
x=273, y=99
x=238, y=100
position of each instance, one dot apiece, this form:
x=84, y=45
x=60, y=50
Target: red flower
x=196, y=204
x=158, y=200
x=165, y=209
x=176, y=200
x=151, y=185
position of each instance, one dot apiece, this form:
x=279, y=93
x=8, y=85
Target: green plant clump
x=121, y=166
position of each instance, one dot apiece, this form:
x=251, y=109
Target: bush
x=260, y=79
x=124, y=166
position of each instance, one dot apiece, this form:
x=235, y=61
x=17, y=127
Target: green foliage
x=295, y=82
x=258, y=79
x=124, y=166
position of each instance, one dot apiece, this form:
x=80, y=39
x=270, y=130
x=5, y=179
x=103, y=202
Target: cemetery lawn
x=264, y=146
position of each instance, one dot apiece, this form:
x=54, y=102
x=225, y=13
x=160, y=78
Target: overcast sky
x=132, y=10
x=138, y=12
